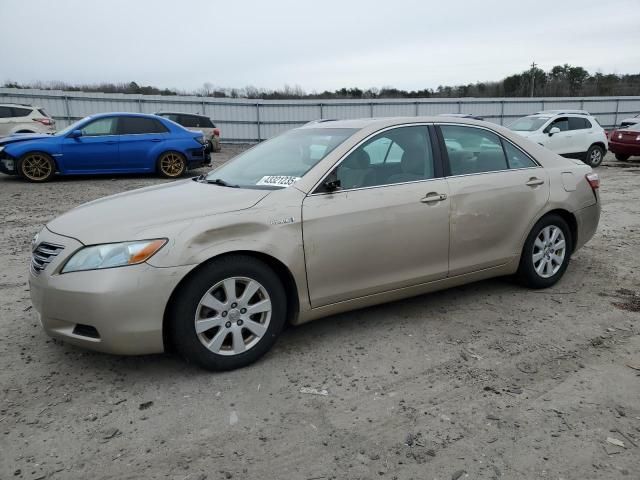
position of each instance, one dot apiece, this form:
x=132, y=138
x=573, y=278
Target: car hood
x=22, y=137
x=524, y=133
x=131, y=215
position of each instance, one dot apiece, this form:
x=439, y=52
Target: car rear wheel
x=595, y=155
x=37, y=167
x=172, y=164
x=546, y=252
x=229, y=314
x=622, y=158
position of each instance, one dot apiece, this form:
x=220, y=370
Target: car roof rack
x=562, y=112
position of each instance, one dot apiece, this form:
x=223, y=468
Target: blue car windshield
x=281, y=161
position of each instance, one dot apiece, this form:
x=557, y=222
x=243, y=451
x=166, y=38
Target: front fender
x=18, y=149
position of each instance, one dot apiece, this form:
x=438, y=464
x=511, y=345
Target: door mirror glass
x=554, y=130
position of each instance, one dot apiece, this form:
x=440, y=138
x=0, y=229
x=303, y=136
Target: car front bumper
x=116, y=310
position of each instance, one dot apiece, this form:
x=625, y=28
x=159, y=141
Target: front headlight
x=112, y=255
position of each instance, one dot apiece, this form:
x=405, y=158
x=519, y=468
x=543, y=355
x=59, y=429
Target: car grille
x=43, y=255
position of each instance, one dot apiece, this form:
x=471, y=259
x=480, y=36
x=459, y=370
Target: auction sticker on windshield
x=277, y=180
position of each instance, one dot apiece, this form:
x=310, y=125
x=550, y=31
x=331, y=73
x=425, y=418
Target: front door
x=385, y=227
x=95, y=151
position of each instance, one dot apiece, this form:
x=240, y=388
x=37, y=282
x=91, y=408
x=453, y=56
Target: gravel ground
x=483, y=381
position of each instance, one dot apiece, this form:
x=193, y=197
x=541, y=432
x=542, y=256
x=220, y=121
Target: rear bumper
x=624, y=148
x=587, y=221
x=198, y=156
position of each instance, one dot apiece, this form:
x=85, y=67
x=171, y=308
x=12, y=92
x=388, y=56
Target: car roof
x=122, y=114
x=180, y=113
x=382, y=122
x=17, y=105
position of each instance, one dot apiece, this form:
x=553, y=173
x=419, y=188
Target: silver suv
x=194, y=121
x=16, y=118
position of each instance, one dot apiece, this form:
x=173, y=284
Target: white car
x=15, y=118
x=570, y=133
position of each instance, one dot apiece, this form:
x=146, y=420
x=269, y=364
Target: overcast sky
x=318, y=45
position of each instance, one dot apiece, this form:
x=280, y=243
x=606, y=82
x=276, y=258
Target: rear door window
x=5, y=112
x=473, y=150
x=578, y=123
x=140, y=126
x=189, y=121
x=21, y=112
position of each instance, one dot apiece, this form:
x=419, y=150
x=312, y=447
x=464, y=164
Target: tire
x=203, y=313
x=171, y=165
x=37, y=167
x=621, y=157
x=595, y=155
x=532, y=272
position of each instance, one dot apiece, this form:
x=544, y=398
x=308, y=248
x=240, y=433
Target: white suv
x=570, y=133
x=16, y=118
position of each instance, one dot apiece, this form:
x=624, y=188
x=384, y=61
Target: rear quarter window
x=21, y=112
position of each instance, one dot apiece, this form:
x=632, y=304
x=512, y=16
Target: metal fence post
x=371, y=109
x=321, y=112
x=615, y=120
x=542, y=103
x=203, y=108
x=501, y=112
x=459, y=106
x=258, y=121
x=67, y=109
x=582, y=104
x=417, y=108
x=140, y=105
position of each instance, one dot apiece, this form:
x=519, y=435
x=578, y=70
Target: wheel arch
x=280, y=269
x=571, y=220
x=599, y=144
x=41, y=152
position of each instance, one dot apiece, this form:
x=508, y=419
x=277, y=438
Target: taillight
x=216, y=132
x=44, y=121
x=594, y=180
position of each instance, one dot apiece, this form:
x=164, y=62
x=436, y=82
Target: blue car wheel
x=172, y=164
x=37, y=167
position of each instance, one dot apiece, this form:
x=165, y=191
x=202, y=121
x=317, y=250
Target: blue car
x=108, y=143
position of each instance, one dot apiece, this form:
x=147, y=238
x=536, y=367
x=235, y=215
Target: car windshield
x=528, y=124
x=71, y=127
x=279, y=162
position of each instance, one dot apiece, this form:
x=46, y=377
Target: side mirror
x=76, y=134
x=554, y=130
x=332, y=185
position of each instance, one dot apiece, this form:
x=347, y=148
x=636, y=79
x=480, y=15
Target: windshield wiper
x=222, y=183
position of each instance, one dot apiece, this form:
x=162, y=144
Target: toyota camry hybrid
x=325, y=218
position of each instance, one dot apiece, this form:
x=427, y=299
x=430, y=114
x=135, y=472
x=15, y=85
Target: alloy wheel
x=596, y=157
x=549, y=251
x=36, y=167
x=233, y=316
x=172, y=164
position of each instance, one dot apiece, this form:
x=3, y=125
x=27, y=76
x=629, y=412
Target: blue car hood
x=22, y=137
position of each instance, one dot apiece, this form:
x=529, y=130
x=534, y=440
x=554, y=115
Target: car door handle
x=156, y=140
x=534, y=182
x=110, y=142
x=433, y=197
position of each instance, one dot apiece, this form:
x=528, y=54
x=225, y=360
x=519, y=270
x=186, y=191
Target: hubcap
x=233, y=316
x=596, y=156
x=549, y=251
x=171, y=164
x=36, y=167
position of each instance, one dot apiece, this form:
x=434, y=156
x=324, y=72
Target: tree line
x=560, y=81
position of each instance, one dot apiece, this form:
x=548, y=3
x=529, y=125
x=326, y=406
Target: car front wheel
x=228, y=314
x=546, y=252
x=595, y=155
x=622, y=158
x=36, y=167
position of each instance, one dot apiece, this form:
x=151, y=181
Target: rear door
x=140, y=138
x=383, y=229
x=95, y=151
x=495, y=190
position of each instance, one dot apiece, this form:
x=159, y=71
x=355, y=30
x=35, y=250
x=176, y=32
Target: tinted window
x=189, y=121
x=473, y=150
x=515, y=157
x=102, y=126
x=561, y=123
x=21, y=112
x=140, y=125
x=43, y=112
x=5, y=112
x=578, y=123
x=395, y=156
x=205, y=122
